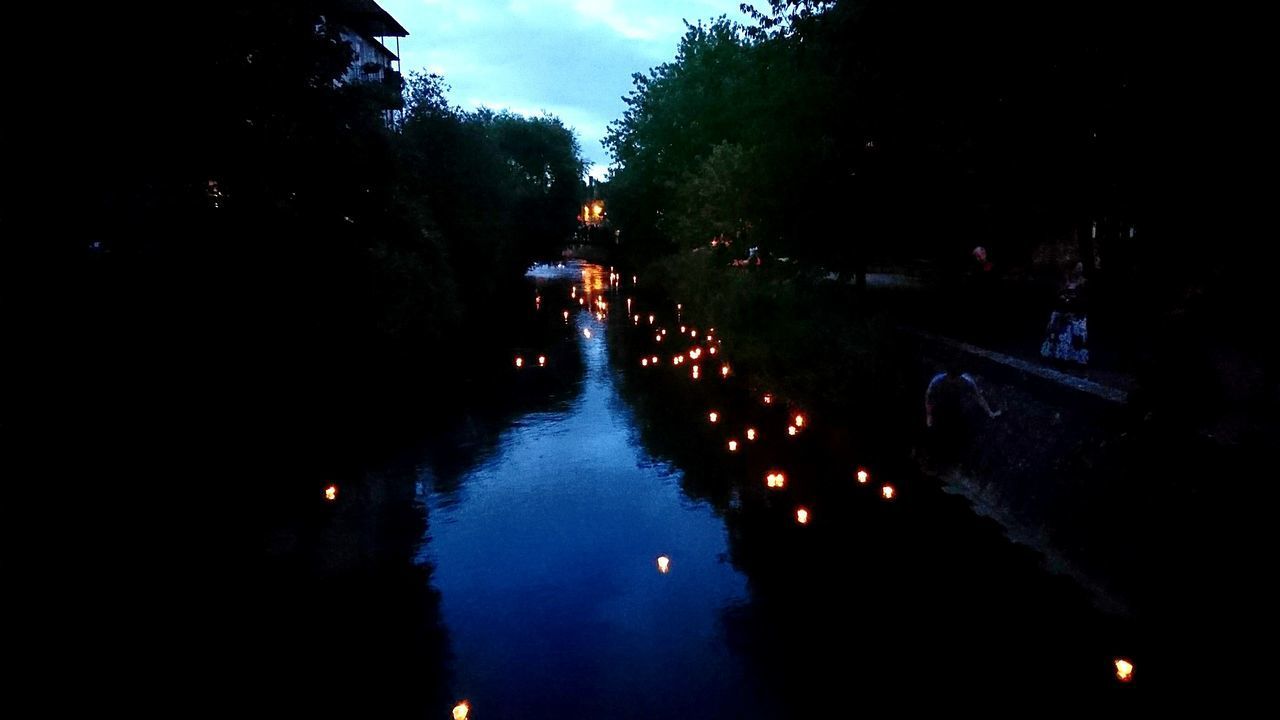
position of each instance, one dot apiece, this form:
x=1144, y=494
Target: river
x=545, y=548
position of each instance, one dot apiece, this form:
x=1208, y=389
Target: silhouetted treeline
x=228, y=277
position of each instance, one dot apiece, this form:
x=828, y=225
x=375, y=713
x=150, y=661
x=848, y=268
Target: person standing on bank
x=1067, y=335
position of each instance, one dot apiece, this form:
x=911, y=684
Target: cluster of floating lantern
x=774, y=480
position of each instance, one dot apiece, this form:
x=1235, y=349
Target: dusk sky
x=572, y=58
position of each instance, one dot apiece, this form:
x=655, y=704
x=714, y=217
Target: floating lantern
x=657, y=337
x=888, y=492
x=650, y=319
x=331, y=493
x=655, y=360
x=566, y=315
x=637, y=320
x=775, y=480
x=751, y=433
x=733, y=446
x=519, y=362
x=863, y=476
x=461, y=710
x=682, y=329
x=724, y=371
x=695, y=372
x=802, y=516
x=1124, y=670
x=644, y=362
x=711, y=350
x=791, y=430
x=573, y=292
x=664, y=564
x=694, y=353
x=582, y=301
x=693, y=334
x=768, y=399
x=713, y=416
x=799, y=421
x=586, y=333
x=708, y=338
x=664, y=331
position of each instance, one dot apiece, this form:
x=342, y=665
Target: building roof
x=367, y=17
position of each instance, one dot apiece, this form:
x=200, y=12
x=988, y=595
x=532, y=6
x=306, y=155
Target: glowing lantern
x=802, y=516
x=751, y=433
x=600, y=316
x=573, y=292
x=644, y=362
x=713, y=416
x=682, y=329
x=582, y=301
x=888, y=492
x=650, y=319
x=775, y=480
x=693, y=334
x=654, y=360
x=637, y=320
x=679, y=306
x=566, y=315
x=664, y=331
x=791, y=430
x=695, y=372
x=586, y=333
x=331, y=493
x=863, y=476
x=519, y=362
x=694, y=353
x=657, y=337
x=633, y=280
x=461, y=710
x=708, y=338
x=768, y=399
x=664, y=564
x=733, y=446
x=1124, y=670
x=711, y=350
x=799, y=421
x=724, y=371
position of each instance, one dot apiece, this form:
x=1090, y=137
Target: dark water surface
x=543, y=550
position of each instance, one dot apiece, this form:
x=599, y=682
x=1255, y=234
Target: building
x=368, y=28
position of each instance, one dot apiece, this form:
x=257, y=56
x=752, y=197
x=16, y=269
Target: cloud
x=573, y=58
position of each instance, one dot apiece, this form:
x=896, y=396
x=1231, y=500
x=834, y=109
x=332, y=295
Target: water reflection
x=544, y=555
